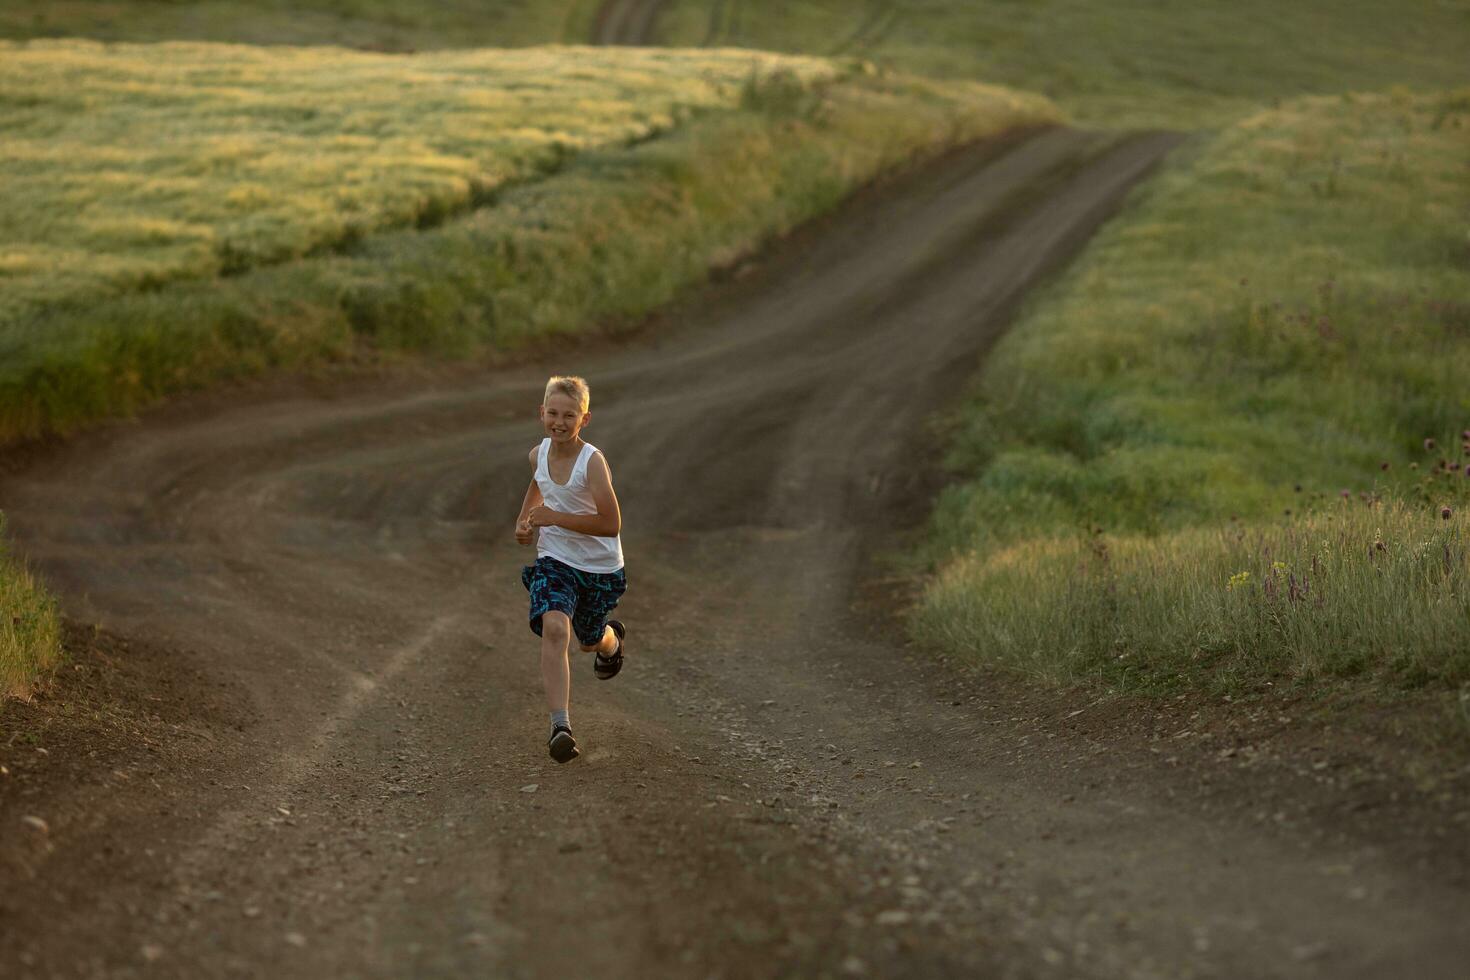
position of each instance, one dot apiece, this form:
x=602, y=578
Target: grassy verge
x=1201, y=457
x=1136, y=63
x=29, y=628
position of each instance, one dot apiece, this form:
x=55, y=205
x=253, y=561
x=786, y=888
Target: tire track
x=626, y=22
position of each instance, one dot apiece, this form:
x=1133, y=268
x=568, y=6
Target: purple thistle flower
x=1467, y=470
x=1429, y=445
x=1445, y=512
x=1465, y=435
x=1345, y=494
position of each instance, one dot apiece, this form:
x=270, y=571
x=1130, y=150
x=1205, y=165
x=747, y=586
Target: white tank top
x=584, y=551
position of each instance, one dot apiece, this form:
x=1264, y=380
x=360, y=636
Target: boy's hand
x=524, y=532
x=541, y=516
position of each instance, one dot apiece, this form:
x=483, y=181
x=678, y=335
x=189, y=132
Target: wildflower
x=1345, y=494
x=1413, y=466
x=1429, y=445
x=1465, y=435
x=1383, y=466
x=1467, y=469
x=1379, y=546
x=1238, y=581
x=1445, y=512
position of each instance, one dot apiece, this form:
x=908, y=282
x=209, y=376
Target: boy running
x=571, y=512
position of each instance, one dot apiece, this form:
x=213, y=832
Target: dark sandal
x=607, y=668
x=561, y=745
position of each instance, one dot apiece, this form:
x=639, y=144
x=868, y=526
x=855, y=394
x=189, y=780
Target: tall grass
x=29, y=631
x=1377, y=593
x=1280, y=319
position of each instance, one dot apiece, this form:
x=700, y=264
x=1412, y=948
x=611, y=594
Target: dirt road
x=345, y=772
x=628, y=22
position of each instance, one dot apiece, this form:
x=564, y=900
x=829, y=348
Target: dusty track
x=627, y=22
x=774, y=786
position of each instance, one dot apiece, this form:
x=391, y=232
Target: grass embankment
x=29, y=629
x=1123, y=63
x=1200, y=458
x=618, y=230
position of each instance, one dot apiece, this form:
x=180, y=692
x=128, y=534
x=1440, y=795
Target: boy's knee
x=556, y=626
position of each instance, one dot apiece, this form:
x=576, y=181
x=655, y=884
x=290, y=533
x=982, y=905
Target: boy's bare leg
x=556, y=674
x=607, y=646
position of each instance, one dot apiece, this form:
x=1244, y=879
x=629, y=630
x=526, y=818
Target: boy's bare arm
x=525, y=533
x=606, y=523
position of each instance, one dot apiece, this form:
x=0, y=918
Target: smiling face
x=562, y=417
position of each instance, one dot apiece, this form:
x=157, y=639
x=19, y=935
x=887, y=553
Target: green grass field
x=1137, y=63
x=1107, y=62
x=130, y=167
x=380, y=25
x=161, y=284
x=1200, y=458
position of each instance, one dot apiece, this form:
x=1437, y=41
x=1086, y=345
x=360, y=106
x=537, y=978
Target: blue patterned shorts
x=586, y=597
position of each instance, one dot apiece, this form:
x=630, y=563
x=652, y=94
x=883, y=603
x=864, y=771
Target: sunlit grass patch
x=133, y=166
x=1279, y=318
x=29, y=627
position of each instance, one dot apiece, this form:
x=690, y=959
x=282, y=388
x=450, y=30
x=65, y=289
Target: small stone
x=36, y=823
x=893, y=917
x=151, y=952
x=916, y=765
x=251, y=912
x=1308, y=951
x=530, y=787
x=854, y=967
x=296, y=939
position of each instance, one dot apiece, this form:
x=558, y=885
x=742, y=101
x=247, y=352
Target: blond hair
x=573, y=387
